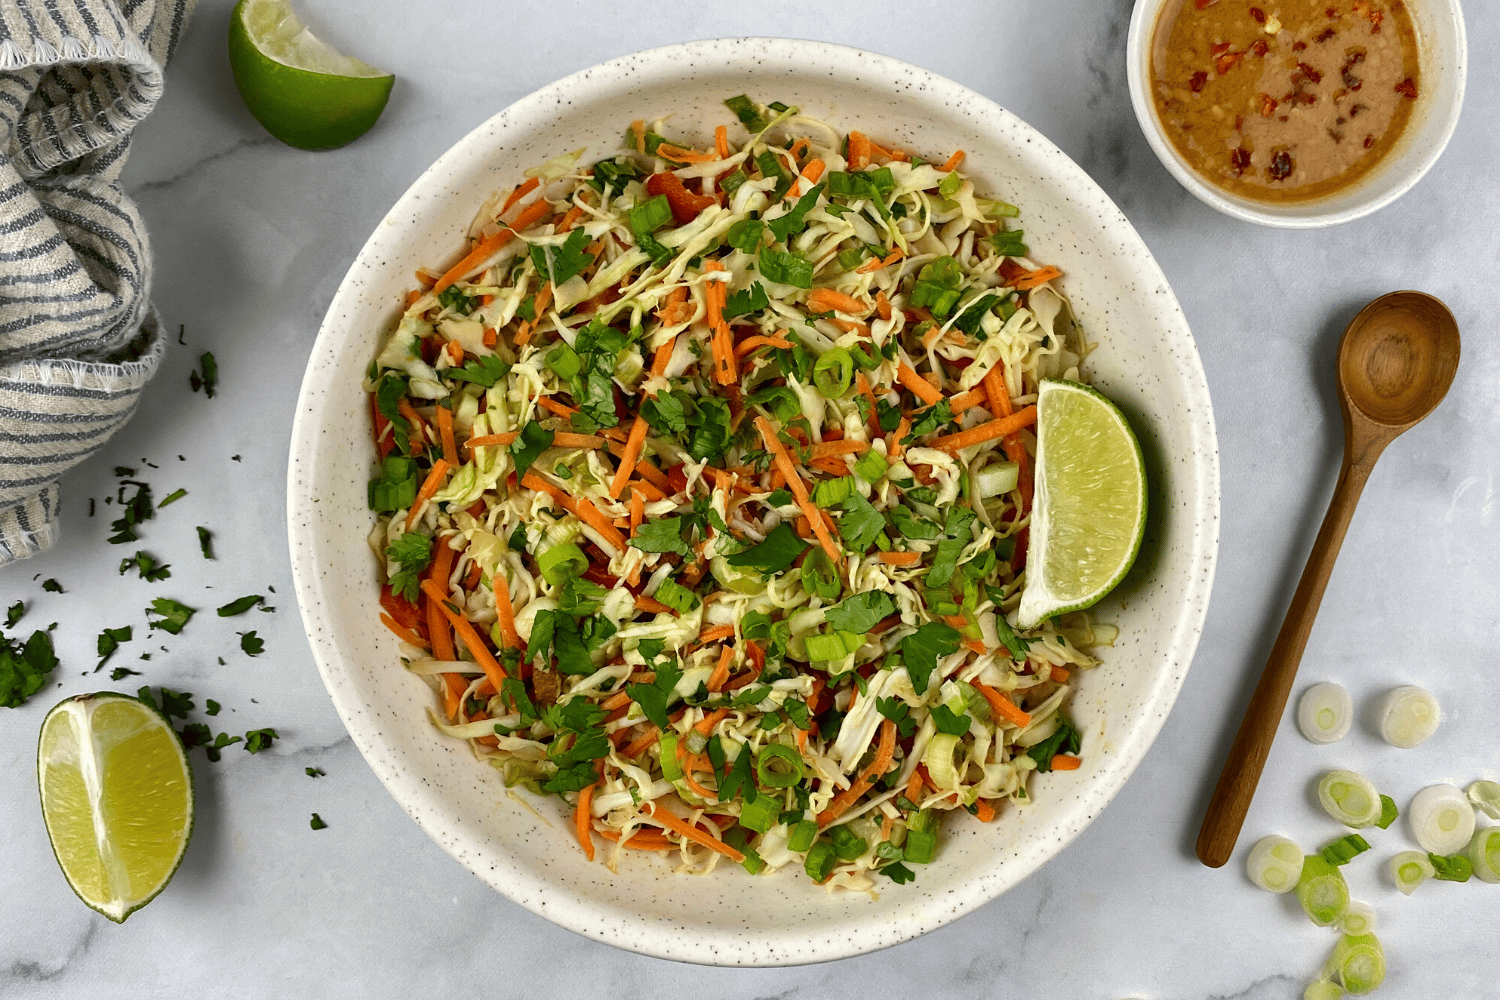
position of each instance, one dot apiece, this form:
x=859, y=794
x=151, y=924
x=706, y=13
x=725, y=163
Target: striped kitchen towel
x=78, y=338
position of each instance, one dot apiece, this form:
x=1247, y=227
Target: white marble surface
x=251, y=238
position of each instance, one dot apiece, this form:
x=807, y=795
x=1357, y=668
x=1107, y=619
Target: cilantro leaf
x=252, y=644
x=315, y=772
x=898, y=712
x=860, y=613
x=13, y=613
x=148, y=568
x=958, y=529
x=205, y=543
x=785, y=268
x=795, y=220
x=948, y=721
x=780, y=549
x=240, y=605
x=517, y=540
x=529, y=445
x=257, y=740
x=654, y=697
x=861, y=523
x=709, y=429
x=542, y=629
x=109, y=640
x=932, y=418
x=921, y=650
x=559, y=262
x=569, y=647
x=134, y=510
x=208, y=380
x=120, y=673
x=746, y=300
x=317, y=822
x=898, y=873
x=174, y=614
x=24, y=669
x=667, y=412
x=1066, y=739
x=739, y=780
x=413, y=551
x=1016, y=646
x=485, y=371
x=664, y=535
x=457, y=299
x=52, y=586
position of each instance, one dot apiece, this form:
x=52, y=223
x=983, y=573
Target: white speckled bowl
x=1146, y=360
x=1444, y=65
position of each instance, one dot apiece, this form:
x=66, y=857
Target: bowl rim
x=1292, y=215
x=723, y=946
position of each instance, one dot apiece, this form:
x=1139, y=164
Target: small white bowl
x=1145, y=360
x=1444, y=61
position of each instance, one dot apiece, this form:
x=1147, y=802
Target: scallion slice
x=1322, y=891
x=667, y=745
x=832, y=492
x=778, y=766
x=761, y=814
x=1409, y=869
x=847, y=844
x=1323, y=989
x=1441, y=819
x=1484, y=853
x=1357, y=963
x=1408, y=716
x=1345, y=849
x=1274, y=863
x=1349, y=798
x=561, y=563
x=1324, y=712
x=803, y=835
x=824, y=647
x=997, y=478
x=939, y=761
x=834, y=373
x=920, y=848
x=871, y=466
x=1358, y=919
x=821, y=860
x=820, y=576
x=1486, y=797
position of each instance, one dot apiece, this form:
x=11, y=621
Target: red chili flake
x=1258, y=14
x=1407, y=87
x=1226, y=62
x=1260, y=47
x=1283, y=118
x=1355, y=109
x=1198, y=80
x=1281, y=166
x=1268, y=105
x=1239, y=160
x=1220, y=48
x=1331, y=13
x=1335, y=135
x=1312, y=75
x=1205, y=4
x=1369, y=141
x=1325, y=34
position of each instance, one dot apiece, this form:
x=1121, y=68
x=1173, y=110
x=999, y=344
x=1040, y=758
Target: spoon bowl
x=1396, y=362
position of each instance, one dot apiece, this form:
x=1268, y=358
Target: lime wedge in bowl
x=117, y=799
x=303, y=91
x=1090, y=509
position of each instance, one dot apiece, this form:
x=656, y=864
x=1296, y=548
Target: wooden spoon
x=1396, y=362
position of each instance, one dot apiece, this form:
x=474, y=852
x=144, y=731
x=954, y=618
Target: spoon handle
x=1247, y=757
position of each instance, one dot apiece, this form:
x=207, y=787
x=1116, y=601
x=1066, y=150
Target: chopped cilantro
x=559, y=262
x=529, y=445
x=211, y=707
x=898, y=873
x=109, y=640
x=317, y=822
x=517, y=540
x=739, y=780
x=13, y=613
x=24, y=668
x=1066, y=739
x=314, y=772
x=948, y=721
x=932, y=418
x=663, y=535
x=240, y=605
x=785, y=268
x=654, y=697
x=898, y=712
x=921, y=650
x=137, y=508
x=148, y=568
x=794, y=221
x=174, y=614
x=485, y=371
x=205, y=543
x=120, y=673
x=861, y=523
x=252, y=644
x=52, y=586
x=779, y=550
x=958, y=528
x=412, y=552
x=206, y=376
x=746, y=300
x=457, y=299
x=859, y=613
x=257, y=740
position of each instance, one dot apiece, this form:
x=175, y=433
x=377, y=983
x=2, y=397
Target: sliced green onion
x=1322, y=891
x=1357, y=963
x=851, y=258
x=1274, y=863
x=1451, y=867
x=820, y=576
x=948, y=186
x=753, y=863
x=1388, y=812
x=996, y=479
x=745, y=235
x=1410, y=869
x=565, y=361
x=921, y=847
x=561, y=563
x=847, y=844
x=779, y=766
x=650, y=215
x=1345, y=849
x=1349, y=798
x=1324, y=712
x=821, y=860
x=1358, y=919
x=1484, y=853
x=803, y=835
x=1408, y=716
x=745, y=110
x=785, y=268
x=939, y=760
x=825, y=647
x=833, y=373
x=1486, y=797
x=832, y=492
x=675, y=596
x=761, y=814
x=871, y=466
x=1322, y=989
x=1441, y=819
x=667, y=746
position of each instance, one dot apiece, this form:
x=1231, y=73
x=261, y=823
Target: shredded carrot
x=876, y=263
x=406, y=635
x=667, y=151
x=1031, y=279
x=994, y=389
x=720, y=676
x=831, y=465
x=1065, y=762
x=627, y=461
x=418, y=425
x=580, y=507
x=810, y=174
x=882, y=305
x=505, y=612
x=714, y=294
x=931, y=336
x=455, y=352
x=412, y=297
x=1058, y=674
x=583, y=820
x=640, y=840
x=642, y=743
x=859, y=151
x=531, y=185
x=794, y=482
x=721, y=142
x=442, y=638
x=487, y=248
x=976, y=646
x=553, y=406
x=920, y=387
x=893, y=445
x=662, y=357
x=638, y=129
x=900, y=558
x=637, y=508
x=429, y=487
x=953, y=162
x=653, y=606
x=842, y=447
x=692, y=833
x=873, y=417
x=714, y=634
x=1003, y=706
x=491, y=336
x=749, y=344
x=884, y=754
x=986, y=431
x=571, y=219
x=491, y=440
x=670, y=309
x=617, y=700
x=445, y=434
x=425, y=278
x=466, y=633
x=566, y=439
x=914, y=786
x=454, y=686
x=983, y=811
x=828, y=300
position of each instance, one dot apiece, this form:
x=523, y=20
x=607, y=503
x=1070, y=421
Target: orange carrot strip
x=445, y=434
x=627, y=461
x=637, y=509
x=843, y=447
x=1003, y=706
x=884, y=755
x=810, y=173
x=640, y=840
x=721, y=142
x=571, y=219
x=692, y=833
x=638, y=129
x=714, y=634
x=418, y=425
x=976, y=646
x=583, y=820
x=404, y=634
x=1030, y=279
x=429, y=487
x=412, y=297
x=1058, y=674
x=454, y=686
x=920, y=387
x=425, y=278
x=986, y=431
x=859, y=151
x=994, y=389
x=466, y=633
x=821, y=300
x=490, y=440
x=714, y=294
x=529, y=216
x=882, y=304
x=931, y=336
x=505, y=612
x=668, y=151
x=662, y=356
x=531, y=185
x=567, y=439
x=455, y=352
x=580, y=507
x=1065, y=762
x=794, y=482
x=617, y=700
x=642, y=743
x=914, y=786
x=900, y=558
x=983, y=811
x=893, y=445
x=863, y=384
x=652, y=605
x=974, y=397
x=720, y=676
x=437, y=628
x=953, y=162
x=749, y=344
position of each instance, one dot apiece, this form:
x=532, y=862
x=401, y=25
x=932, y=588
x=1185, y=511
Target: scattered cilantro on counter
x=252, y=644
x=317, y=822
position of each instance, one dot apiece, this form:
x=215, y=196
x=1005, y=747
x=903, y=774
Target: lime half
x=305, y=93
x=117, y=799
x=1090, y=509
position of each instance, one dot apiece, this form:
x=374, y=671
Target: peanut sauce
x=1284, y=100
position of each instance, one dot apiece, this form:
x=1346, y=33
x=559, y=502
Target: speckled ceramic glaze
x=1444, y=67
x=1146, y=360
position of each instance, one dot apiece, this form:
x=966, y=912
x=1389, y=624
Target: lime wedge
x=305, y=93
x=1090, y=509
x=117, y=799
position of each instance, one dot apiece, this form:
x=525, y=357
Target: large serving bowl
x=1145, y=360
